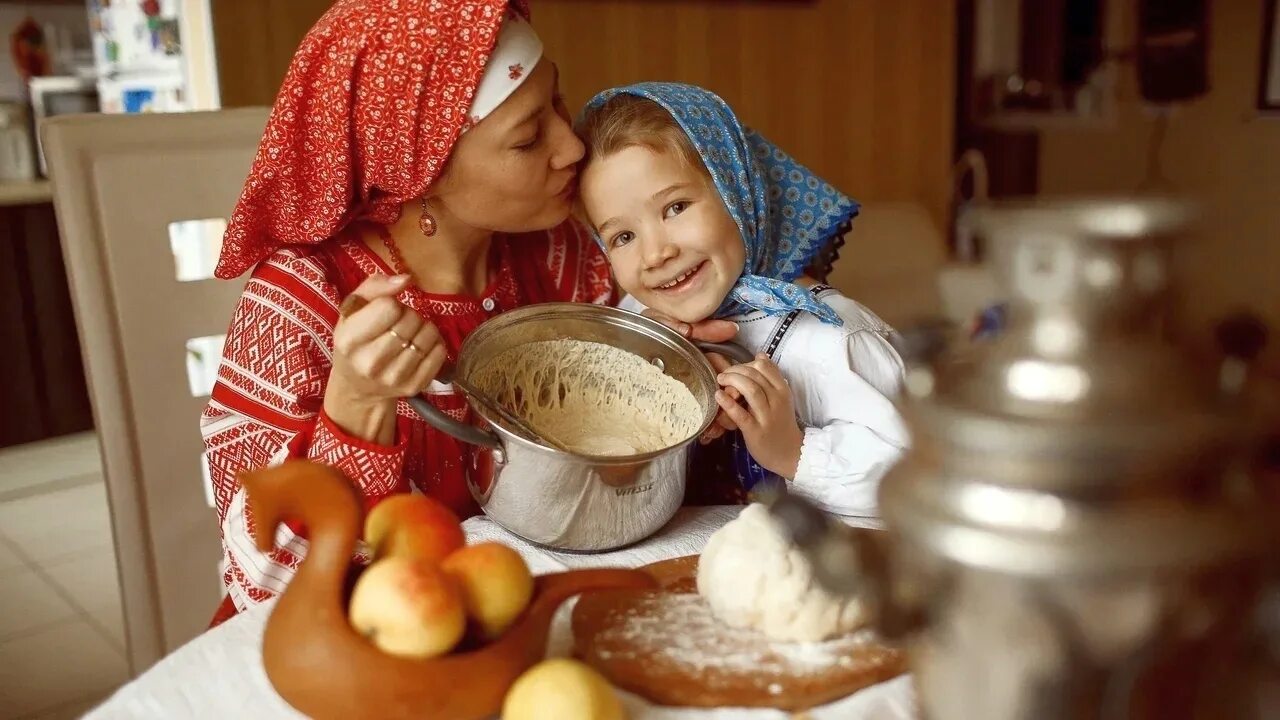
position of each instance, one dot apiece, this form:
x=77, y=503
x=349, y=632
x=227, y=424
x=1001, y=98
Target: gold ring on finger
x=403, y=343
x=406, y=344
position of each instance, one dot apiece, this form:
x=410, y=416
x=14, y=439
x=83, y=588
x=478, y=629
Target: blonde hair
x=625, y=121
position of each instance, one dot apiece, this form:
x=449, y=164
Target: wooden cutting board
x=667, y=646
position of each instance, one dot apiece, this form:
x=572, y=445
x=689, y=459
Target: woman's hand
x=717, y=331
x=768, y=423
x=382, y=351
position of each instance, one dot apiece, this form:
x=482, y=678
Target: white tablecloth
x=220, y=674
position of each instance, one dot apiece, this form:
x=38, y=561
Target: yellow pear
x=562, y=689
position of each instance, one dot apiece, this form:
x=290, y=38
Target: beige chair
x=895, y=262
x=119, y=182
x=890, y=262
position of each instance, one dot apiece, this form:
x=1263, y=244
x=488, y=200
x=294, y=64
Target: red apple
x=408, y=607
x=495, y=582
x=411, y=525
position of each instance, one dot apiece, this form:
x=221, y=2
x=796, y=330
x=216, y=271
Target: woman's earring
x=427, y=221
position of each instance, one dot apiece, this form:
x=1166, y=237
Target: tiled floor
x=61, y=631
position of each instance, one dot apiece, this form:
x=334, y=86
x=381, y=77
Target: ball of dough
x=753, y=577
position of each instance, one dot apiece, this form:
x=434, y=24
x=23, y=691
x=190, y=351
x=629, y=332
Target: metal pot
x=564, y=500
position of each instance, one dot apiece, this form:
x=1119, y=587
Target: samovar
x=1076, y=531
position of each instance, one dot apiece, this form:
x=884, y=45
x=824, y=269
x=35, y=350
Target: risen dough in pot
x=753, y=577
x=594, y=398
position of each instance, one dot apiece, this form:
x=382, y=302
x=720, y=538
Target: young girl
x=703, y=218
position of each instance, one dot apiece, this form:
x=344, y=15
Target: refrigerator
x=153, y=55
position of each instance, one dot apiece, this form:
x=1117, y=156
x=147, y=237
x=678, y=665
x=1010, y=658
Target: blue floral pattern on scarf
x=785, y=213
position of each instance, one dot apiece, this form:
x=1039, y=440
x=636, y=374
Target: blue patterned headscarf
x=785, y=213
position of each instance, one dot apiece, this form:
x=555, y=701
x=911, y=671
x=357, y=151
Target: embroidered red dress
x=267, y=403
x=365, y=121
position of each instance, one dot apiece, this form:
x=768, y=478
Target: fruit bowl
x=325, y=669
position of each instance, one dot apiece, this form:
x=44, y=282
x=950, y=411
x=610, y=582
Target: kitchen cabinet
x=43, y=392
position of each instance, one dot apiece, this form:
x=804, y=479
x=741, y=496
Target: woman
x=420, y=159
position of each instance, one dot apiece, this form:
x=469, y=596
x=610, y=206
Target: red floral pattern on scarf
x=370, y=108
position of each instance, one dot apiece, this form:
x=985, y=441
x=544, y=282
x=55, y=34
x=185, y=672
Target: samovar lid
x=1078, y=440
x=1080, y=378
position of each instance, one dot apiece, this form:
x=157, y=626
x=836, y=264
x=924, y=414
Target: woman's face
x=515, y=170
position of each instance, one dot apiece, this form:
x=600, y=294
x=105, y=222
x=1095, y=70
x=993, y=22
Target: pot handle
x=736, y=353
x=439, y=420
x=430, y=413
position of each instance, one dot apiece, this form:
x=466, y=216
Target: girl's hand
x=768, y=423
x=717, y=331
x=723, y=423
x=382, y=351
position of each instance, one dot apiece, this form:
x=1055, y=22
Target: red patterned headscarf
x=370, y=108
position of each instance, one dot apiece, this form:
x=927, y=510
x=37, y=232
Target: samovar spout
x=834, y=550
x=852, y=561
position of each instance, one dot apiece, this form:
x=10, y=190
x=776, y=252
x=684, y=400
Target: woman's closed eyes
x=530, y=143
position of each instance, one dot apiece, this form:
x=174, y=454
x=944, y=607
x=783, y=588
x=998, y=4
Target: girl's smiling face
x=670, y=240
